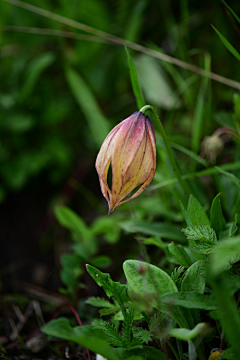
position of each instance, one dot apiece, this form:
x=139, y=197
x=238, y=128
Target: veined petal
x=129, y=143
x=131, y=150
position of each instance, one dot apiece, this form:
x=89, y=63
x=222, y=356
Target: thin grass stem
x=119, y=41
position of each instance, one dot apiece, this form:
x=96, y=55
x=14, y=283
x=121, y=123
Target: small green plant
x=84, y=247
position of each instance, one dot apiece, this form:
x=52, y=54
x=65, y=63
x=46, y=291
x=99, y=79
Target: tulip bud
x=130, y=148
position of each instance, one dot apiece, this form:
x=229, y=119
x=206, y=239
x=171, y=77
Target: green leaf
x=202, y=247
x=91, y=338
x=231, y=10
x=146, y=352
x=106, y=225
x=143, y=334
x=217, y=220
x=34, y=71
x=196, y=213
x=101, y=261
x=146, y=283
x=197, y=128
x=99, y=302
x=127, y=326
x=135, y=83
x=156, y=87
x=180, y=254
x=195, y=278
x=190, y=153
x=177, y=274
x=111, y=288
x=109, y=311
x=228, y=311
x=147, y=280
x=185, y=214
x=71, y=221
x=227, y=44
x=231, y=229
x=190, y=300
x=223, y=254
x=232, y=177
x=103, y=280
x=185, y=334
x=170, y=232
x=200, y=232
x=112, y=335
x=98, y=124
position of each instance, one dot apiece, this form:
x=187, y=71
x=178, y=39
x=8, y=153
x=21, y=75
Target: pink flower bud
x=130, y=148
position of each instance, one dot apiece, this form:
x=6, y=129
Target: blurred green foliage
x=55, y=89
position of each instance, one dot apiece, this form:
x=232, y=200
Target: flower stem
x=79, y=322
x=176, y=170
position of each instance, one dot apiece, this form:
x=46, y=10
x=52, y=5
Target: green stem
x=173, y=349
x=176, y=170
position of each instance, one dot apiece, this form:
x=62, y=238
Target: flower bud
x=130, y=148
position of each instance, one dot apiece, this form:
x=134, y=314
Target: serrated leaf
x=112, y=335
x=127, y=326
x=199, y=232
x=143, y=334
x=180, y=254
x=186, y=334
x=177, y=272
x=217, y=220
x=196, y=212
x=103, y=280
x=195, y=277
x=203, y=247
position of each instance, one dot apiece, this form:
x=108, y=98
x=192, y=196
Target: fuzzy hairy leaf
x=201, y=232
x=203, y=247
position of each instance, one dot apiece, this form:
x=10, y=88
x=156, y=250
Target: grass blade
x=232, y=12
x=98, y=124
x=227, y=44
x=135, y=82
x=232, y=177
